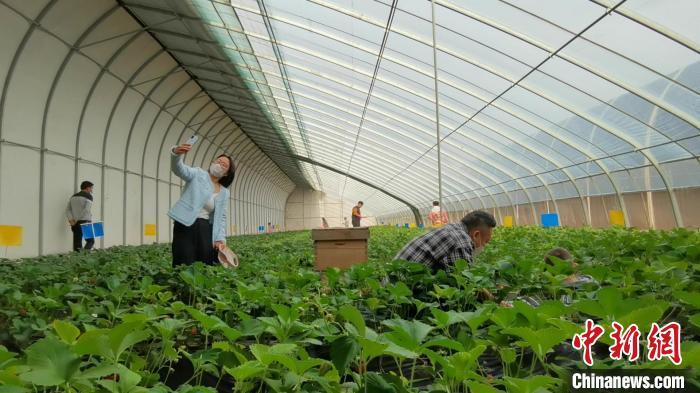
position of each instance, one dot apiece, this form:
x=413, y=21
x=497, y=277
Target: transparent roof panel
x=535, y=97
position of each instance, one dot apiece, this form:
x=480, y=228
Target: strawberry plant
x=123, y=320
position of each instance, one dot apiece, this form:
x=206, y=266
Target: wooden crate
x=340, y=247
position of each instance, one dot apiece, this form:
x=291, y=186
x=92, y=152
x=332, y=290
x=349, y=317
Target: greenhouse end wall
x=640, y=212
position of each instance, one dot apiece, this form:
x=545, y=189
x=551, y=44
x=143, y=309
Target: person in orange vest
x=356, y=214
x=436, y=216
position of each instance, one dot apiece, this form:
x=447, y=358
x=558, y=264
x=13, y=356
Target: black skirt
x=193, y=243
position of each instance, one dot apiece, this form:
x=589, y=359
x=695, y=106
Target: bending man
x=439, y=249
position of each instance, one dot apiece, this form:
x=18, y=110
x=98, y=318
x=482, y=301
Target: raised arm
x=177, y=163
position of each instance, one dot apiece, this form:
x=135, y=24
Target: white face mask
x=216, y=170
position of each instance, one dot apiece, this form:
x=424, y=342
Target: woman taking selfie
x=200, y=214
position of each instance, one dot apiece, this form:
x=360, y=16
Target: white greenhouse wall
x=87, y=94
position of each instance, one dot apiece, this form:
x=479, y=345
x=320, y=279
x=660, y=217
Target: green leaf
x=247, y=370
x=127, y=381
x=508, y=355
x=444, y=342
x=541, y=341
x=692, y=298
x=124, y=336
x=610, y=299
x=478, y=317
x=536, y=384
x=478, y=387
x=51, y=363
x=444, y=319
x=695, y=319
x=371, y=348
x=13, y=389
x=407, y=334
x=66, y=331
x=643, y=317
x=93, y=342
x=375, y=383
x=209, y=323
x=268, y=354
x=395, y=350
x=99, y=371
x=460, y=363
x=354, y=316
x=343, y=352
x=504, y=316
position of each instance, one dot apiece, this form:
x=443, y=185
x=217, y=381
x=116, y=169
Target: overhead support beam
x=414, y=210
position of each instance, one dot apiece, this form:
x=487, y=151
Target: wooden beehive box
x=340, y=247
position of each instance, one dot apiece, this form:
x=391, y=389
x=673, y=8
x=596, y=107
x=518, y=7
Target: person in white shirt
x=79, y=212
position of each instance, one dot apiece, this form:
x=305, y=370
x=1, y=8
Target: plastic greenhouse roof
x=533, y=96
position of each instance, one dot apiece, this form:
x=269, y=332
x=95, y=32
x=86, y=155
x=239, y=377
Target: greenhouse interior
x=349, y=196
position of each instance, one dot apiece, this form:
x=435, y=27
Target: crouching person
x=441, y=248
x=573, y=280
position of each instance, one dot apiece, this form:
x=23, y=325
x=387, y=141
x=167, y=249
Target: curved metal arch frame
x=527, y=148
x=103, y=69
x=259, y=70
x=155, y=87
x=209, y=137
x=417, y=216
x=33, y=24
x=448, y=52
x=487, y=22
x=343, y=110
x=205, y=53
x=244, y=179
x=518, y=162
x=545, y=184
x=652, y=26
x=581, y=150
x=621, y=85
x=624, y=86
x=426, y=194
x=619, y=196
x=525, y=38
x=383, y=146
x=405, y=89
x=47, y=106
x=105, y=138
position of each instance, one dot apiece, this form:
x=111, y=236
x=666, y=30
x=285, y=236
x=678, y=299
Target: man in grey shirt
x=78, y=212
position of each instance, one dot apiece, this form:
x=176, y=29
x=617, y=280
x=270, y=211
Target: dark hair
x=227, y=179
x=478, y=218
x=85, y=184
x=360, y=203
x=436, y=203
x=558, y=252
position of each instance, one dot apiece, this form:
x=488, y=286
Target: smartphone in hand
x=193, y=139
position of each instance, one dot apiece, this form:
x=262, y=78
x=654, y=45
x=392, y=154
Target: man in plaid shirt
x=441, y=248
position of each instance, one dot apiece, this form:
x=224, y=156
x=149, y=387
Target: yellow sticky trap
x=412, y=226
x=508, y=221
x=10, y=235
x=149, y=230
x=617, y=217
